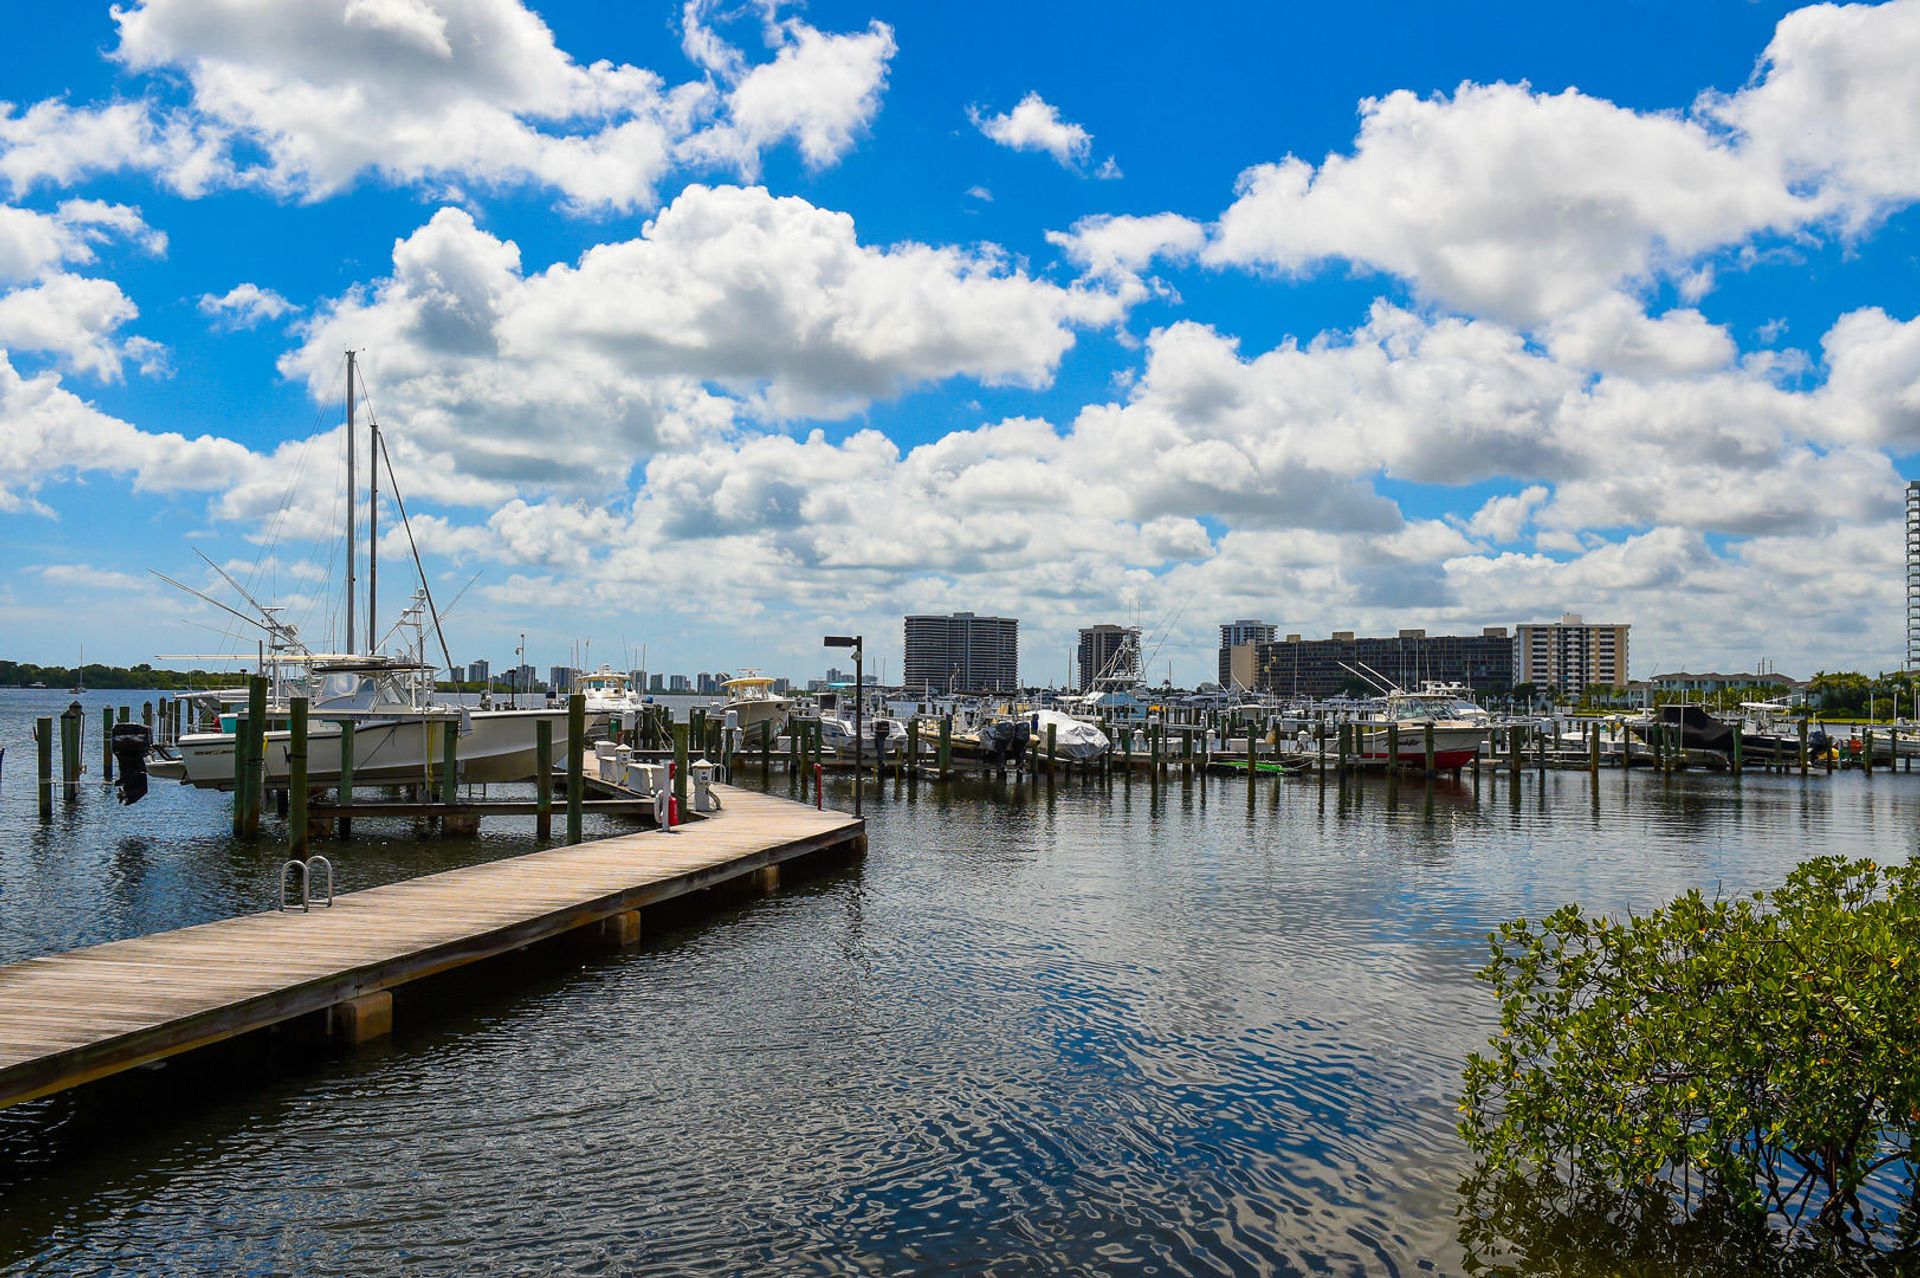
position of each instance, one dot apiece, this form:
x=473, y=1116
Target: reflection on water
x=1184, y=1029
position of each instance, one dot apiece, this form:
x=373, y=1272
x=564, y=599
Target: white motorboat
x=837, y=734
x=400, y=733
x=609, y=695
x=752, y=700
x=397, y=740
x=1459, y=728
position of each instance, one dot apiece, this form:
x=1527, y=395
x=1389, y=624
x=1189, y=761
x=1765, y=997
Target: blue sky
x=1341, y=316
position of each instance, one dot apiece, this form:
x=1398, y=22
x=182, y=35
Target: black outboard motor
x=131, y=742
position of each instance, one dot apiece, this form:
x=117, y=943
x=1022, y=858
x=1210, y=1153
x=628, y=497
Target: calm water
x=1097, y=1030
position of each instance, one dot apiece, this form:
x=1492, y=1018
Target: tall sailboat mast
x=373, y=529
x=353, y=553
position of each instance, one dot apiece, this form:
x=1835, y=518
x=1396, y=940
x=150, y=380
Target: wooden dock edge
x=48, y=1075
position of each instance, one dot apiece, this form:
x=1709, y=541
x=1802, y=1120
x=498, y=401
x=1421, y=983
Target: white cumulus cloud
x=304, y=99
x=1034, y=124
x=245, y=305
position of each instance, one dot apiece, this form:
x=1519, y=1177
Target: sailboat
x=400, y=731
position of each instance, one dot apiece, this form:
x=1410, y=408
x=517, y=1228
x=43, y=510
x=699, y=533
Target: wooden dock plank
x=68, y=1018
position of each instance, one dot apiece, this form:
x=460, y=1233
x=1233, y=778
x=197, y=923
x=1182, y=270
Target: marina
x=1253, y=1014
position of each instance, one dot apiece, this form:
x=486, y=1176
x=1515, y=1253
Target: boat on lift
x=1460, y=727
x=609, y=694
x=400, y=730
x=752, y=700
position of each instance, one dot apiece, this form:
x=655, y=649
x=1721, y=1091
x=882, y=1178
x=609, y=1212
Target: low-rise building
x=1713, y=681
x=1318, y=668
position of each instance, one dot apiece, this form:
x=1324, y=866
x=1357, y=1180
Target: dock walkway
x=66, y=1019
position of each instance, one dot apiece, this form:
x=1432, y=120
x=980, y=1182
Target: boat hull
x=751, y=713
x=1453, y=747
x=500, y=748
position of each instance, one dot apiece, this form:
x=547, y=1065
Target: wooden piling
x=106, y=744
x=680, y=760
x=1427, y=729
x=543, y=779
x=256, y=761
x=344, y=827
x=576, y=745
x=1738, y=750
x=450, y=761
x=1051, y=736
x=766, y=751
x=1393, y=747
x=1866, y=750
x=240, y=770
x=43, y=751
x=70, y=753
x=297, y=833
x=946, y=744
x=1803, y=747
x=1593, y=748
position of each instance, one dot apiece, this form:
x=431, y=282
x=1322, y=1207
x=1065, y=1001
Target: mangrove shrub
x=1754, y=1057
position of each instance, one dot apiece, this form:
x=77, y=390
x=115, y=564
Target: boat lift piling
x=297, y=834
x=43, y=758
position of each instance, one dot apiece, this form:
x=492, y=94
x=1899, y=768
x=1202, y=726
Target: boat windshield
x=1430, y=707
x=349, y=691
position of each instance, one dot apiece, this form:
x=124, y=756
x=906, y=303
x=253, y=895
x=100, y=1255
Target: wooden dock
x=66, y=1019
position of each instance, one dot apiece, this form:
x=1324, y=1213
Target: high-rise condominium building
x=962, y=652
x=1569, y=654
x=1235, y=633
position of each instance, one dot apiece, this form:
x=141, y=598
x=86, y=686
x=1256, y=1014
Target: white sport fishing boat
x=751, y=698
x=400, y=731
x=609, y=694
x=398, y=739
x=1460, y=727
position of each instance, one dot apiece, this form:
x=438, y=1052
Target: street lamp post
x=857, y=643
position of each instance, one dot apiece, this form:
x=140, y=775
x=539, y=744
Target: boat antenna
x=413, y=546
x=463, y=593
x=238, y=588
x=204, y=597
